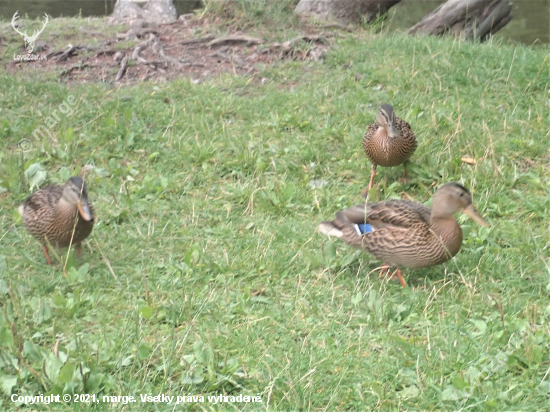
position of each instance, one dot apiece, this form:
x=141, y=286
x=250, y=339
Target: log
x=345, y=11
x=467, y=19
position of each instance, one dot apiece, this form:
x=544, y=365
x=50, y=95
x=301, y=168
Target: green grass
x=206, y=218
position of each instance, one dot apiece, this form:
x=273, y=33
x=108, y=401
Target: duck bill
x=391, y=131
x=84, y=210
x=476, y=217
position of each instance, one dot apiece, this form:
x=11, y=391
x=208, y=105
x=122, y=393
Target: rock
x=345, y=11
x=154, y=11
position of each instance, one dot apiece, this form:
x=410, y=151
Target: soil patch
x=185, y=48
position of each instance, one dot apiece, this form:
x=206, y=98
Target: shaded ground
x=186, y=48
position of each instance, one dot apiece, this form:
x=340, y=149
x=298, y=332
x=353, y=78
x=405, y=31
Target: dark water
x=530, y=24
x=66, y=8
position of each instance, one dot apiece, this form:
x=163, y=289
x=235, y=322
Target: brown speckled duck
x=54, y=213
x=389, y=141
x=404, y=233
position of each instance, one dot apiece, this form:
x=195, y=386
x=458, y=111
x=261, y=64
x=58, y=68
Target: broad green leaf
x=348, y=259
x=52, y=367
x=330, y=252
x=94, y=382
x=128, y=114
x=544, y=387
x=260, y=299
x=17, y=218
x=43, y=313
x=409, y=392
x=203, y=352
x=127, y=361
x=102, y=172
x=192, y=380
x=69, y=135
x=192, y=256
x=83, y=271
x=480, y=325
x=64, y=174
x=146, y=312
x=144, y=351
x=187, y=359
x=66, y=373
x=59, y=300
x=7, y=383
x=355, y=299
x=459, y=383
x=536, y=355
x=309, y=258
x=35, y=175
x=33, y=351
x=6, y=337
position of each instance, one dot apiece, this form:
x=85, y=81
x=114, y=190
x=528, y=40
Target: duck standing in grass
x=389, y=141
x=59, y=215
x=406, y=234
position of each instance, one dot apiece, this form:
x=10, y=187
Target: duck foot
x=45, y=249
x=404, y=178
x=398, y=274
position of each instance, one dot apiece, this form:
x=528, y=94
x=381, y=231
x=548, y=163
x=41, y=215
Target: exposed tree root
x=123, y=66
x=165, y=51
x=235, y=38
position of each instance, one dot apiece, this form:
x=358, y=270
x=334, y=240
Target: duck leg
x=78, y=250
x=371, y=183
x=398, y=274
x=404, y=178
x=384, y=270
x=45, y=249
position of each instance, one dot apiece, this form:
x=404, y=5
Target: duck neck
x=383, y=139
x=449, y=231
x=66, y=210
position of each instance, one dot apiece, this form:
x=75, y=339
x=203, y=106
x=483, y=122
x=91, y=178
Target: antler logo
x=29, y=40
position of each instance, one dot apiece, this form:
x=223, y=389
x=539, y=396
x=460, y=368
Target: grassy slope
x=206, y=218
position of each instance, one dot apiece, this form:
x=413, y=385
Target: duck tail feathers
x=328, y=228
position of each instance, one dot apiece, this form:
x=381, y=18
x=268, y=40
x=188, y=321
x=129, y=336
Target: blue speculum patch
x=364, y=228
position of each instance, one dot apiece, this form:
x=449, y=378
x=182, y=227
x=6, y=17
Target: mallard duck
x=389, y=141
x=49, y=215
x=406, y=234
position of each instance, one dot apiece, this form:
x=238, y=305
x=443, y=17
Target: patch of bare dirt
x=168, y=51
